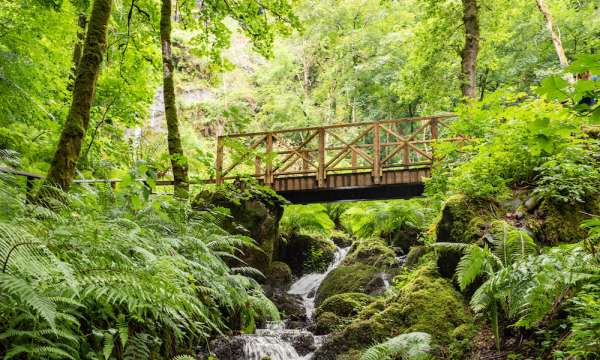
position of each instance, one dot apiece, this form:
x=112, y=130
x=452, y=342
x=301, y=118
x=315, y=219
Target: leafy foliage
x=415, y=345
x=129, y=278
x=383, y=218
x=311, y=219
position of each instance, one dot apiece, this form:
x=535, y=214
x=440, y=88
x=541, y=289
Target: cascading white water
x=307, y=285
x=274, y=341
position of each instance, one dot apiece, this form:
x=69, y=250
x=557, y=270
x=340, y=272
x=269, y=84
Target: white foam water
x=274, y=340
x=307, y=285
x=273, y=347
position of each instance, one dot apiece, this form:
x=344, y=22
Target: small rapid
x=277, y=342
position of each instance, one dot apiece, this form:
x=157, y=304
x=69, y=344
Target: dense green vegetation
x=498, y=259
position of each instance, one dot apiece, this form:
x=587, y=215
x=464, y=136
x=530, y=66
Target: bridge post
x=269, y=160
x=219, y=167
x=376, y=153
x=321, y=172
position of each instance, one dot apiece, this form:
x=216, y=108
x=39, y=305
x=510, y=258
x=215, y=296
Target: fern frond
x=415, y=345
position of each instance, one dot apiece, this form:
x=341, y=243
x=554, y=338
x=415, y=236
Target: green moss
x=327, y=322
x=553, y=223
x=424, y=302
x=305, y=254
x=321, y=253
x=346, y=279
x=372, y=252
x=414, y=256
x=461, y=220
x=279, y=274
x=348, y=304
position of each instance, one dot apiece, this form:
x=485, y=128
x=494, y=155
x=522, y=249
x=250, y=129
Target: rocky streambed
x=290, y=339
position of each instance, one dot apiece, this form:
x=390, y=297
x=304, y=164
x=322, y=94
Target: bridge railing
x=317, y=152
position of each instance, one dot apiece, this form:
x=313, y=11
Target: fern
x=415, y=345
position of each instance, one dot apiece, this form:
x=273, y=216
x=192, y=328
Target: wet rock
x=289, y=305
x=279, y=275
x=226, y=348
x=302, y=341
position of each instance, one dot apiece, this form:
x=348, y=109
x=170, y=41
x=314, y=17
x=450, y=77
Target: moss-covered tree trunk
x=62, y=168
x=178, y=159
x=469, y=52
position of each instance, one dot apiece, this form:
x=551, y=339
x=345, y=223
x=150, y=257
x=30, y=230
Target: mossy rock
x=341, y=239
x=279, y=275
x=345, y=305
x=326, y=323
x=373, y=252
x=426, y=302
x=560, y=223
x=414, y=256
x=254, y=211
x=405, y=238
x=461, y=220
x=346, y=279
x=306, y=254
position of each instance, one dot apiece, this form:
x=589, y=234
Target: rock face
x=426, y=302
x=254, y=211
x=305, y=254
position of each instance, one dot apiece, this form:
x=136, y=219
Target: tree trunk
x=560, y=51
x=469, y=53
x=62, y=168
x=81, y=22
x=178, y=159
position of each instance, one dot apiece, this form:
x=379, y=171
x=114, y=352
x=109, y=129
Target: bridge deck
x=377, y=160
x=394, y=184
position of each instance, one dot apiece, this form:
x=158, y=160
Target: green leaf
x=554, y=88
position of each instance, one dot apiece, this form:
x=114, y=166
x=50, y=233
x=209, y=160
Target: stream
x=276, y=342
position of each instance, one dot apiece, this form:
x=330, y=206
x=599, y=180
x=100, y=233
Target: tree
x=470, y=50
x=560, y=51
x=178, y=159
x=62, y=168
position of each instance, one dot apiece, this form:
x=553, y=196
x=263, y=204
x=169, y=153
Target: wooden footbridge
x=377, y=160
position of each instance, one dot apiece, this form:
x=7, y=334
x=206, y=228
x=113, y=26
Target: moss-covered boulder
x=461, y=221
x=345, y=305
x=341, y=239
x=305, y=254
x=339, y=310
x=346, y=279
x=405, y=238
x=279, y=275
x=326, y=323
x=254, y=211
x=424, y=302
x=553, y=223
x=373, y=252
x=362, y=271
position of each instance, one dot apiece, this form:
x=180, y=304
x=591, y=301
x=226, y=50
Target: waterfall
x=273, y=347
x=307, y=285
x=278, y=343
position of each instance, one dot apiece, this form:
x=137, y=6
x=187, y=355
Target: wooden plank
x=376, y=154
x=269, y=159
x=321, y=173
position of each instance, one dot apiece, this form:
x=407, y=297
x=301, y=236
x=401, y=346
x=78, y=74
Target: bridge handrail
x=367, y=147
